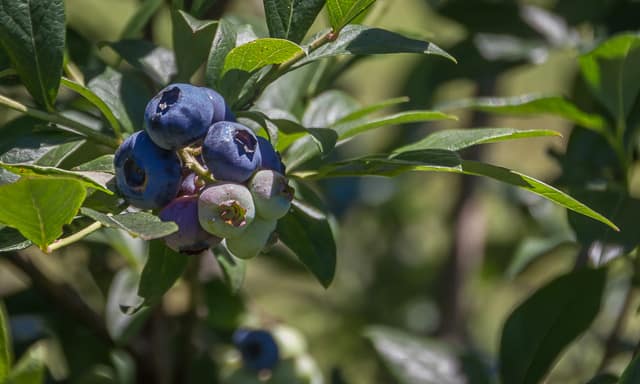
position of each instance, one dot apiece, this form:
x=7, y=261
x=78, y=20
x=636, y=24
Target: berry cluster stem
x=192, y=163
x=57, y=118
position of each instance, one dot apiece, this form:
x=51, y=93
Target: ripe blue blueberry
x=258, y=348
x=147, y=176
x=270, y=158
x=253, y=240
x=221, y=111
x=190, y=238
x=271, y=194
x=178, y=116
x=226, y=209
x=231, y=152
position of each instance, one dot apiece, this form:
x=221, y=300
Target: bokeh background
x=440, y=256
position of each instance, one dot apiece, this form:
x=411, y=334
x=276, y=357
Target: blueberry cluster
x=242, y=198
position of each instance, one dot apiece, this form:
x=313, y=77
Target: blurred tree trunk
x=467, y=250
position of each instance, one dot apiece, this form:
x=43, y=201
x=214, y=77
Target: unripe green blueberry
x=226, y=209
x=253, y=239
x=271, y=193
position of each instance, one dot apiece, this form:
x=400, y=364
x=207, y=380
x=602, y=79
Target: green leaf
x=540, y=328
x=438, y=160
x=457, y=139
x=291, y=19
x=533, y=105
x=139, y=19
x=226, y=309
x=5, y=344
x=31, y=368
x=351, y=128
x=162, y=270
x=103, y=163
x=413, y=360
x=156, y=62
x=610, y=69
x=32, y=33
x=95, y=100
x=365, y=111
x=11, y=240
x=139, y=224
x=306, y=231
x=39, y=206
x=124, y=93
x=327, y=108
x=305, y=149
x=24, y=141
x=223, y=42
x=233, y=269
x=341, y=12
x=96, y=180
x=361, y=40
x=256, y=54
x=191, y=42
x=289, y=91
x=631, y=374
x=123, y=295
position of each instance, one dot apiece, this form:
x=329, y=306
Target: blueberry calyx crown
x=246, y=143
x=169, y=97
x=134, y=175
x=232, y=213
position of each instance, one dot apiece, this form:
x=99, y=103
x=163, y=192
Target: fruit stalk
x=186, y=155
x=75, y=237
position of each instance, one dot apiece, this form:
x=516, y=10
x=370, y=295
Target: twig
x=192, y=163
x=60, y=119
x=75, y=237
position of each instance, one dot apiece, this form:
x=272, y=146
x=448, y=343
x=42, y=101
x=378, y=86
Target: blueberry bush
x=144, y=173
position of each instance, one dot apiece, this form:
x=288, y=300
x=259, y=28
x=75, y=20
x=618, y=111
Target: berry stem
x=57, y=118
x=75, y=237
x=192, y=163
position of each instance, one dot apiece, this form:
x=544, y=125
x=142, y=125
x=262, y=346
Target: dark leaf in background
x=342, y=12
x=163, y=268
x=291, y=19
x=361, y=40
x=306, y=231
x=622, y=209
x=33, y=34
x=540, y=328
x=124, y=93
x=610, y=70
x=191, y=41
x=122, y=295
x=156, y=62
x=413, y=360
x=140, y=18
x=12, y=240
x=233, y=268
x=223, y=42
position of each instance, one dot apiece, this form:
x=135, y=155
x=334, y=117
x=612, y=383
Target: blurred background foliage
x=436, y=255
